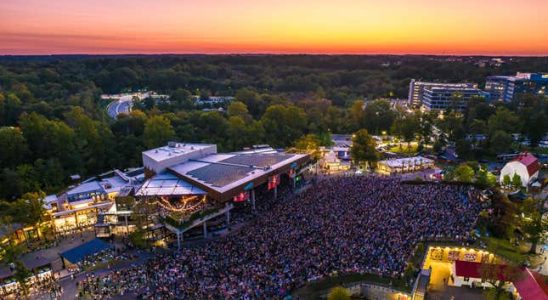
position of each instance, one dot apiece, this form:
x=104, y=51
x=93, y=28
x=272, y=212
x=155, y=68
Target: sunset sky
x=499, y=27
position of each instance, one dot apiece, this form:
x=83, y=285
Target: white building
x=525, y=165
x=158, y=159
x=404, y=165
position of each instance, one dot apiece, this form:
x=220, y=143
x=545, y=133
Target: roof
x=220, y=173
x=529, y=161
x=406, y=161
x=531, y=286
x=86, y=187
x=174, y=150
x=166, y=184
x=236, y=167
x=472, y=269
x=78, y=253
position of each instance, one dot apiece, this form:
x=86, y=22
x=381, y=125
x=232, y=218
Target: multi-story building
x=416, y=89
x=443, y=98
x=505, y=88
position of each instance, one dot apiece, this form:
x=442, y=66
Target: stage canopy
x=77, y=254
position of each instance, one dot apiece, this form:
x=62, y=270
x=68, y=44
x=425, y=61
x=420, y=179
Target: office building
x=443, y=98
x=416, y=89
x=505, y=88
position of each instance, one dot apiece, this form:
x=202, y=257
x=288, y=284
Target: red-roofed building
x=531, y=286
x=525, y=165
x=526, y=285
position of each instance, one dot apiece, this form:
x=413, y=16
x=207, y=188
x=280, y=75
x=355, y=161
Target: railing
x=196, y=218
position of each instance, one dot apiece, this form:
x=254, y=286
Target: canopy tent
x=77, y=254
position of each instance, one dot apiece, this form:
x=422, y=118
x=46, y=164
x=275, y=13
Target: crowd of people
x=342, y=224
x=39, y=287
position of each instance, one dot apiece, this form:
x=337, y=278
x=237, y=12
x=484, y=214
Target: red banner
x=241, y=197
x=273, y=182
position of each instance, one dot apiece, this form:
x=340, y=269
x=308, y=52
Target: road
x=122, y=105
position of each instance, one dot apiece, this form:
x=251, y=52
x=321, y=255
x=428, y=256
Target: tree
x=498, y=276
x=283, y=124
x=506, y=180
x=516, y=181
x=13, y=147
x=532, y=222
x=21, y=275
x=452, y=125
x=10, y=106
x=158, y=131
x=338, y=293
x=252, y=100
x=485, y=178
x=504, y=216
x=500, y=142
x=239, y=109
x=138, y=239
x=241, y=134
x=363, y=147
x=463, y=173
x=378, y=116
x=310, y=144
x=406, y=127
x=426, y=122
x=357, y=114
x=182, y=99
x=29, y=210
x=503, y=120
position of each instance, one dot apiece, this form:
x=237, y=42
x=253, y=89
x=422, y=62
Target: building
x=80, y=205
x=404, y=165
x=193, y=186
x=505, y=88
x=336, y=157
x=442, y=98
x=158, y=160
x=524, y=284
x=525, y=165
x=416, y=89
x=331, y=163
x=212, y=101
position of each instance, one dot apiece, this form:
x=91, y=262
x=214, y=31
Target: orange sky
x=500, y=27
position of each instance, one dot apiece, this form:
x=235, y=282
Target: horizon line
x=273, y=54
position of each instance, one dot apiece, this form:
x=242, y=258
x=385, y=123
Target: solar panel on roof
x=220, y=175
x=258, y=160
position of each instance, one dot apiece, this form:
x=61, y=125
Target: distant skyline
x=441, y=27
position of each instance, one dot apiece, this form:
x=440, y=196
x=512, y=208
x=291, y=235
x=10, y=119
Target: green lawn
x=403, y=148
x=507, y=250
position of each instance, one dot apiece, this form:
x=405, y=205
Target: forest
x=53, y=122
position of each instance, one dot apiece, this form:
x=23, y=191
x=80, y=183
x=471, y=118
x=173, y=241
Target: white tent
x=526, y=166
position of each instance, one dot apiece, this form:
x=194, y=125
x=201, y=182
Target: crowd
x=102, y=258
x=345, y=224
x=39, y=287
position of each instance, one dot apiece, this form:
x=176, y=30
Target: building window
x=466, y=279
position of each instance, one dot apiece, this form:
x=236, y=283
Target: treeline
x=53, y=123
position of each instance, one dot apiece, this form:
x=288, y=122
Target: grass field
x=508, y=251
x=403, y=148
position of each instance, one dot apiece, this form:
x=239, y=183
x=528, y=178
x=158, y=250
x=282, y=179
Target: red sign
x=273, y=182
x=241, y=197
